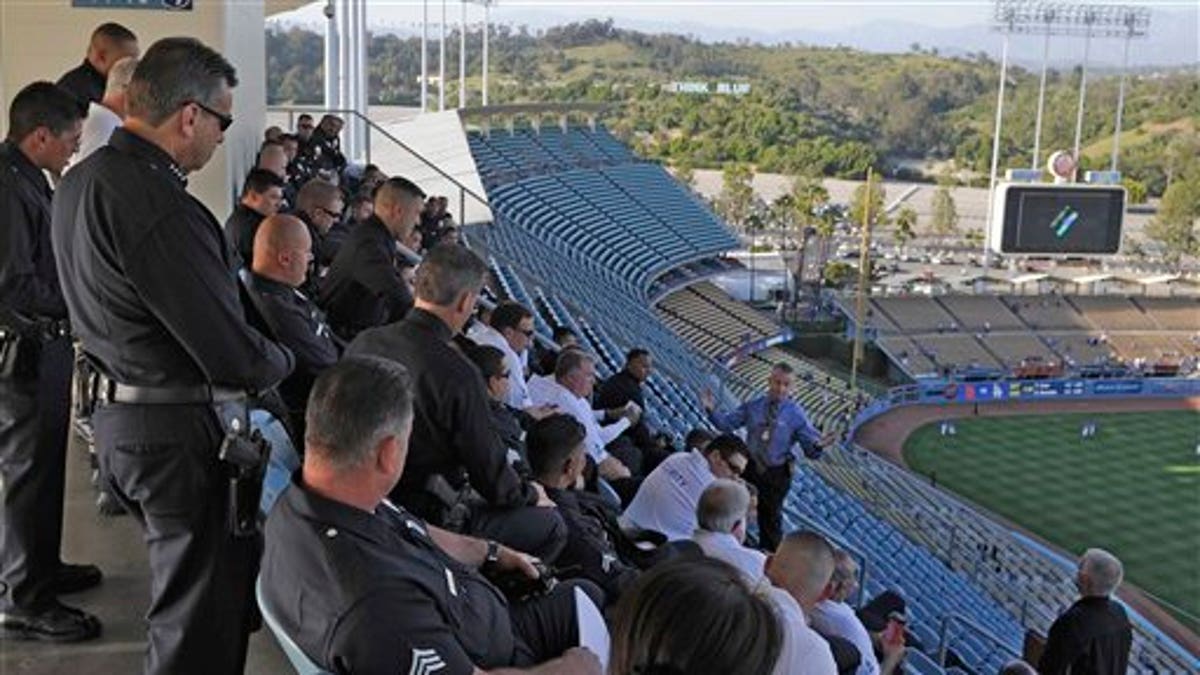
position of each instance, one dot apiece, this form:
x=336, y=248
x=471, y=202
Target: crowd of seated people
x=451, y=510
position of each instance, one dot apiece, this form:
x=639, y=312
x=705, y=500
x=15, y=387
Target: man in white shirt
x=511, y=331
x=832, y=616
x=667, y=499
x=799, y=572
x=570, y=391
x=721, y=518
x=105, y=116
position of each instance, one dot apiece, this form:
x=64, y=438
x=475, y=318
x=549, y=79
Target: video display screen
x=1058, y=219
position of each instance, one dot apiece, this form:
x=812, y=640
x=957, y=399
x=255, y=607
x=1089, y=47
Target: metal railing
x=944, y=636
x=463, y=191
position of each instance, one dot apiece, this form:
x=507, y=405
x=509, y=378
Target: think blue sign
x=170, y=5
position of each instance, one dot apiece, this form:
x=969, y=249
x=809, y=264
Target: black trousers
x=773, y=483
x=546, y=626
x=161, y=463
x=34, y=416
x=538, y=531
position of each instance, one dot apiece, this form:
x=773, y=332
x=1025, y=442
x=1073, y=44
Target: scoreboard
x=1066, y=219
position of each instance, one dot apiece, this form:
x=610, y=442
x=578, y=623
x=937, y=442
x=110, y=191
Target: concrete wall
x=41, y=39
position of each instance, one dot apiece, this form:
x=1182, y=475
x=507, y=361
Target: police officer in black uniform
x=110, y=42
x=262, y=196
x=364, y=287
x=152, y=291
x=282, y=252
x=453, y=439
x=362, y=586
x=44, y=124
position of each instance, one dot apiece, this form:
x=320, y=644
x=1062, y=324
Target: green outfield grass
x=1134, y=488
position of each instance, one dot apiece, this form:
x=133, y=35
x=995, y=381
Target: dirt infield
x=886, y=435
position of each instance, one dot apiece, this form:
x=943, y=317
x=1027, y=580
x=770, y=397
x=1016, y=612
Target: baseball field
x=1133, y=487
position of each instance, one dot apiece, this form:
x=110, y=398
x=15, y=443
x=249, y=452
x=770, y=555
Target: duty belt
x=112, y=391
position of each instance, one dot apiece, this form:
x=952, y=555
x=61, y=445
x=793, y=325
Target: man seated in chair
x=362, y=586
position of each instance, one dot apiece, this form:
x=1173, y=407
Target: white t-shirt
x=839, y=620
x=97, y=129
x=547, y=391
x=804, y=652
x=666, y=500
x=518, y=391
x=725, y=546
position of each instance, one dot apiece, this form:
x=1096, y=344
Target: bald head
x=802, y=566
x=282, y=249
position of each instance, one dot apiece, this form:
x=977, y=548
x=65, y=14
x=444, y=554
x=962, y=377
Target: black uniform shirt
x=618, y=390
x=84, y=83
x=371, y=593
x=28, y=278
x=298, y=325
x=364, y=288
x=240, y=228
x=148, y=277
x=589, y=550
x=1093, y=637
x=452, y=426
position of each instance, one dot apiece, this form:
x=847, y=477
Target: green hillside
x=827, y=111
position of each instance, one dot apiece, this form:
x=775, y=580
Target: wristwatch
x=492, y=557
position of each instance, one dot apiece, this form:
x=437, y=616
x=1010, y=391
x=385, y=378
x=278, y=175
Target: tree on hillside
x=737, y=194
x=905, y=226
x=867, y=203
x=945, y=213
x=1177, y=224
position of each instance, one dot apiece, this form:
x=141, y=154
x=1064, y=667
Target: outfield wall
x=942, y=392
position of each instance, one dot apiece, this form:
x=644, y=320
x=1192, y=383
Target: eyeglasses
x=225, y=121
x=328, y=212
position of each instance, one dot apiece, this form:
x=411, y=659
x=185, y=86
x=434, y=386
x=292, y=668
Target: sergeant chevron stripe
x=425, y=661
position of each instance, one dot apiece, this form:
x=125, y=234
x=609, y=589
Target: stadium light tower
x=424, y=56
x=1038, y=17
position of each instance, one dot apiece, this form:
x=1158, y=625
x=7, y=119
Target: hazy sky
x=755, y=15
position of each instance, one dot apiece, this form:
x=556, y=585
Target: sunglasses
x=225, y=121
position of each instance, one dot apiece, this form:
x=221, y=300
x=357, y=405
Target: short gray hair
x=173, y=71
x=447, y=272
x=119, y=75
x=570, y=360
x=354, y=405
x=1104, y=571
x=723, y=504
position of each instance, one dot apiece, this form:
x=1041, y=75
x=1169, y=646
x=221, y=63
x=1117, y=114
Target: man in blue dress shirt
x=774, y=425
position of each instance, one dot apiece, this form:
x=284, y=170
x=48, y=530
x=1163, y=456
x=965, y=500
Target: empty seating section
x=504, y=156
x=905, y=353
x=712, y=321
x=1173, y=313
x=585, y=193
x=749, y=317
x=952, y=332
x=957, y=350
x=1012, y=348
x=914, y=315
x=977, y=312
x=1111, y=312
x=1046, y=312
